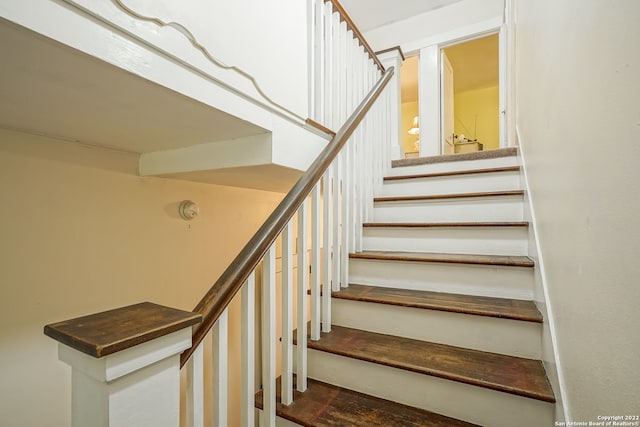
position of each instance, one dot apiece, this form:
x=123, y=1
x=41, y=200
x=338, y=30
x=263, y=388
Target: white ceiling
x=50, y=89
x=370, y=14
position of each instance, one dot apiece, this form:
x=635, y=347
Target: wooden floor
x=497, y=260
x=328, y=405
x=466, y=304
x=515, y=375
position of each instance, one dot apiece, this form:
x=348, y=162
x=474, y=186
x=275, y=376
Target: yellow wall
x=409, y=111
x=80, y=233
x=485, y=104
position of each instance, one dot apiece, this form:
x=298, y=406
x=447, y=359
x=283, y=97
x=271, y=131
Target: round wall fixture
x=188, y=210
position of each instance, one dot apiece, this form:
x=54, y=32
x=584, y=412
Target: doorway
x=470, y=96
x=410, y=129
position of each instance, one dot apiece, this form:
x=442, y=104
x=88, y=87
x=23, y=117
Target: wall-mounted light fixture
x=415, y=126
x=188, y=210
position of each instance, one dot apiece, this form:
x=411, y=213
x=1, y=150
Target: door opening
x=470, y=96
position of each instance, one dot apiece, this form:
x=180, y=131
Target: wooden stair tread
x=453, y=173
x=450, y=196
x=329, y=405
x=444, y=224
x=515, y=375
x=466, y=304
x=446, y=158
x=498, y=260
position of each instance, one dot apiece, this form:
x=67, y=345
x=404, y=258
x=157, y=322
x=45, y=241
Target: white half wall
x=419, y=31
x=578, y=122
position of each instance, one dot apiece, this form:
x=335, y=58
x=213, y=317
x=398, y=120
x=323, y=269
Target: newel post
x=394, y=58
x=125, y=365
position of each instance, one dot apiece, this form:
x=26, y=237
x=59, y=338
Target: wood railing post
x=125, y=365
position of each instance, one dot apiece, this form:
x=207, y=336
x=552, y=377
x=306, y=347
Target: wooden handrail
x=225, y=288
x=356, y=32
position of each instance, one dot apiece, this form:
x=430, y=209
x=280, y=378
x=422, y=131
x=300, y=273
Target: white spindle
x=320, y=59
x=303, y=282
x=247, y=416
x=287, y=315
x=315, y=263
x=269, y=339
x=195, y=389
x=220, y=346
x=326, y=251
x=342, y=70
x=344, y=230
x=335, y=260
x=328, y=87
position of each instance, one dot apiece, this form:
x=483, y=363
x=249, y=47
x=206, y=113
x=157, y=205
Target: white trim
x=452, y=37
x=549, y=320
x=503, y=85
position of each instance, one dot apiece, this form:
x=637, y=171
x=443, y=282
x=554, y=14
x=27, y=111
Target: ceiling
x=370, y=14
x=51, y=89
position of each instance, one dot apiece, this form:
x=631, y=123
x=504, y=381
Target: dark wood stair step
x=453, y=173
x=496, y=260
x=444, y=224
x=509, y=374
x=506, y=193
x=454, y=303
x=329, y=405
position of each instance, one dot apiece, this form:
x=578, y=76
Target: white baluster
x=346, y=224
x=342, y=70
x=336, y=71
x=326, y=251
x=220, y=367
x=247, y=415
x=328, y=37
x=303, y=282
x=319, y=51
x=287, y=315
x=268, y=418
x=315, y=263
x=195, y=389
x=335, y=260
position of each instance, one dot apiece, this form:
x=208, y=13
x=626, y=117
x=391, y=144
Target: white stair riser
x=503, y=208
x=454, y=399
x=458, y=240
x=495, y=181
x=492, y=281
x=454, y=166
x=505, y=336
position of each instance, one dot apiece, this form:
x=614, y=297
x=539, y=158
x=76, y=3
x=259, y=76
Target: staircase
x=438, y=325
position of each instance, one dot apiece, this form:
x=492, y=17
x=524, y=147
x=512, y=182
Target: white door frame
x=430, y=96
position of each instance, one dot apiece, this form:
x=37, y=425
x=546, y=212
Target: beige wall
x=81, y=233
x=476, y=116
x=579, y=127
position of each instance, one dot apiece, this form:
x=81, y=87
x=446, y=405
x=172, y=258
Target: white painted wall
x=418, y=31
x=267, y=39
x=80, y=233
x=579, y=125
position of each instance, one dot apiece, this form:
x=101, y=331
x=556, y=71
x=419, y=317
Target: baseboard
x=551, y=359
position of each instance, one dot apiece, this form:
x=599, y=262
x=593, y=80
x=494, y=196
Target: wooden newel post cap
x=115, y=330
